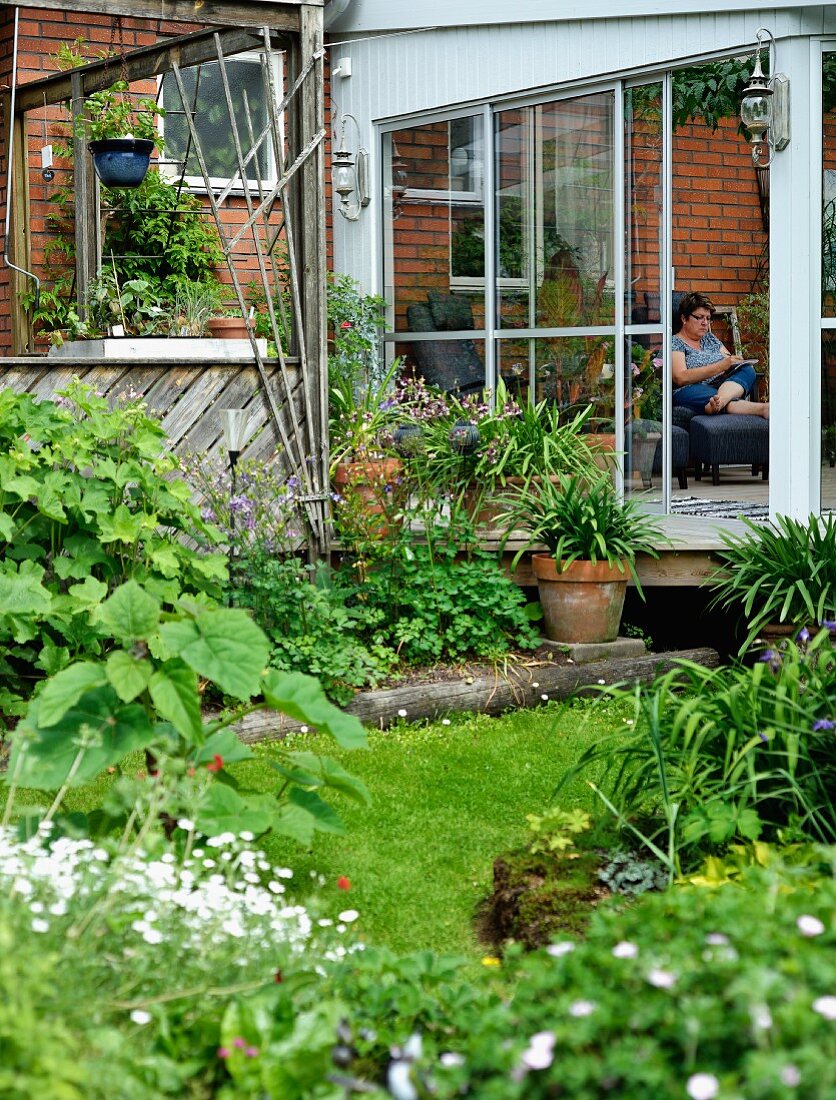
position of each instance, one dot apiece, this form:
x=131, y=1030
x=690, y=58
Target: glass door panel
x=828, y=292
x=645, y=438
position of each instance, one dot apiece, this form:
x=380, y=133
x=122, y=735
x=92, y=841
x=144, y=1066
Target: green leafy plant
x=628, y=874
x=579, y=520
x=719, y=755
x=89, y=498
x=556, y=829
x=782, y=574
x=114, y=113
x=355, y=322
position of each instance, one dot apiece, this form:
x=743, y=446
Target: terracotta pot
x=584, y=602
x=228, y=328
x=365, y=482
x=602, y=446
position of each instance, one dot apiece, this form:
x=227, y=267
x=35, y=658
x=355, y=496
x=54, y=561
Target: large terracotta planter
x=370, y=483
x=584, y=602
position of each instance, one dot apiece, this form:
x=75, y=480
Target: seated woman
x=706, y=377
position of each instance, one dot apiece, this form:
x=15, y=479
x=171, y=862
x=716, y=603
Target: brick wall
x=41, y=34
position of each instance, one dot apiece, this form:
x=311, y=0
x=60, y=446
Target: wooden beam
x=312, y=244
x=20, y=243
x=88, y=242
x=141, y=64
x=281, y=15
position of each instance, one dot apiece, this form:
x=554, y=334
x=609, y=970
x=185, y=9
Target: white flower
x=625, y=950
x=582, y=1008
x=451, y=1058
x=246, y=836
x=662, y=979
x=790, y=1075
x=140, y=1016
x=809, y=926
x=402, y=713
x=562, y=948
x=303, y=729
x=703, y=1086
x=538, y=1057
x=717, y=939
x=544, y=697
x=825, y=1006
x=151, y=935
x=602, y=681
x=761, y=1016
x=220, y=841
x=445, y=722
x=348, y=915
x=40, y=925
x=186, y=825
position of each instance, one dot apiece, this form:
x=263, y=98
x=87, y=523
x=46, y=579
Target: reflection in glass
x=554, y=203
x=572, y=372
x=434, y=225
x=828, y=420
x=643, y=428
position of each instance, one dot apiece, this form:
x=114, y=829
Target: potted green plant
x=779, y=577
x=593, y=539
x=121, y=134
x=194, y=306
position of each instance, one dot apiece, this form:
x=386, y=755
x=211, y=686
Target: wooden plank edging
x=524, y=686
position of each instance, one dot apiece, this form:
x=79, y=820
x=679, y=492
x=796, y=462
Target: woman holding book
x=706, y=377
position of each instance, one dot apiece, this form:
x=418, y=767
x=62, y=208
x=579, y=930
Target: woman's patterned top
x=710, y=351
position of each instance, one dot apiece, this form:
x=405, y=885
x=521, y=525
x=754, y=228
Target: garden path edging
x=521, y=686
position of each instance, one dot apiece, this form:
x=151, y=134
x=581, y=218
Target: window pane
x=569, y=371
x=434, y=226
x=211, y=118
x=555, y=214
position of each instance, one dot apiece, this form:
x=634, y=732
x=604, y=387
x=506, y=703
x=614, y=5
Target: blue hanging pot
x=464, y=437
x=121, y=162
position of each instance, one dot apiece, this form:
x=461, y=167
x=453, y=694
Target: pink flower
x=223, y=1052
x=216, y=764
x=346, y=324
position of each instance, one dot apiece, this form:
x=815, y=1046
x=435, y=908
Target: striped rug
x=720, y=509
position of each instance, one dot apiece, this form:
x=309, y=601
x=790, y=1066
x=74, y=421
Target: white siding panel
x=398, y=75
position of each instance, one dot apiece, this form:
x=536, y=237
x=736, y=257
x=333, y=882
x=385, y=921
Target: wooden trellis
x=285, y=395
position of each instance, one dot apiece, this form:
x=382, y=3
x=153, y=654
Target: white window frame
x=172, y=169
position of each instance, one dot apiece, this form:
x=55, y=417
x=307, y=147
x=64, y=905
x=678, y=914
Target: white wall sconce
x=351, y=174
x=765, y=107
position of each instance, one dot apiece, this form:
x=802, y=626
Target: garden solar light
x=235, y=432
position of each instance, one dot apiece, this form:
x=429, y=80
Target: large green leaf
x=301, y=697
x=130, y=613
x=128, y=674
x=222, y=810
x=43, y=756
x=326, y=819
x=7, y=526
x=89, y=593
x=65, y=688
x=310, y=770
x=297, y=822
x=224, y=743
x=226, y=646
x=124, y=525
x=174, y=692
x=21, y=592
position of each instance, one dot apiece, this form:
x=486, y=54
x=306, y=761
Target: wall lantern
x=350, y=175
x=765, y=108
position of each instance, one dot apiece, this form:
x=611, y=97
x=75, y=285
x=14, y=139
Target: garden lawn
x=446, y=800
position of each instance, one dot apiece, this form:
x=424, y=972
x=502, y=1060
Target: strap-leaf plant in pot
x=593, y=539
x=121, y=134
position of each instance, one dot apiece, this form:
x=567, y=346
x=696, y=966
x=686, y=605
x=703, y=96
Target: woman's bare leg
x=749, y=408
x=726, y=393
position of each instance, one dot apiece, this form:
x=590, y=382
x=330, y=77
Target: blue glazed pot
x=464, y=437
x=121, y=162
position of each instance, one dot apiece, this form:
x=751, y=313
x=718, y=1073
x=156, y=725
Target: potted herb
x=593, y=539
x=782, y=576
x=121, y=134
x=195, y=304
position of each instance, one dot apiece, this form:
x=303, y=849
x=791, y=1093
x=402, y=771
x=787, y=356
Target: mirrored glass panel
x=555, y=214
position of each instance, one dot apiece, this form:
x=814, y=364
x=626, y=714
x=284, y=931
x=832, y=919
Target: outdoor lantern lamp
x=765, y=109
x=350, y=176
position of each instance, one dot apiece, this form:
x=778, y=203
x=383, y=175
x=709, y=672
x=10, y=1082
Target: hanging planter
x=121, y=161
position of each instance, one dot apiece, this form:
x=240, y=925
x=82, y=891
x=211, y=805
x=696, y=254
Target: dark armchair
x=451, y=365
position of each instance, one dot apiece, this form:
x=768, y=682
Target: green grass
x=446, y=801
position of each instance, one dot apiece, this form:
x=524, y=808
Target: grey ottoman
x=729, y=439
x=680, y=449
